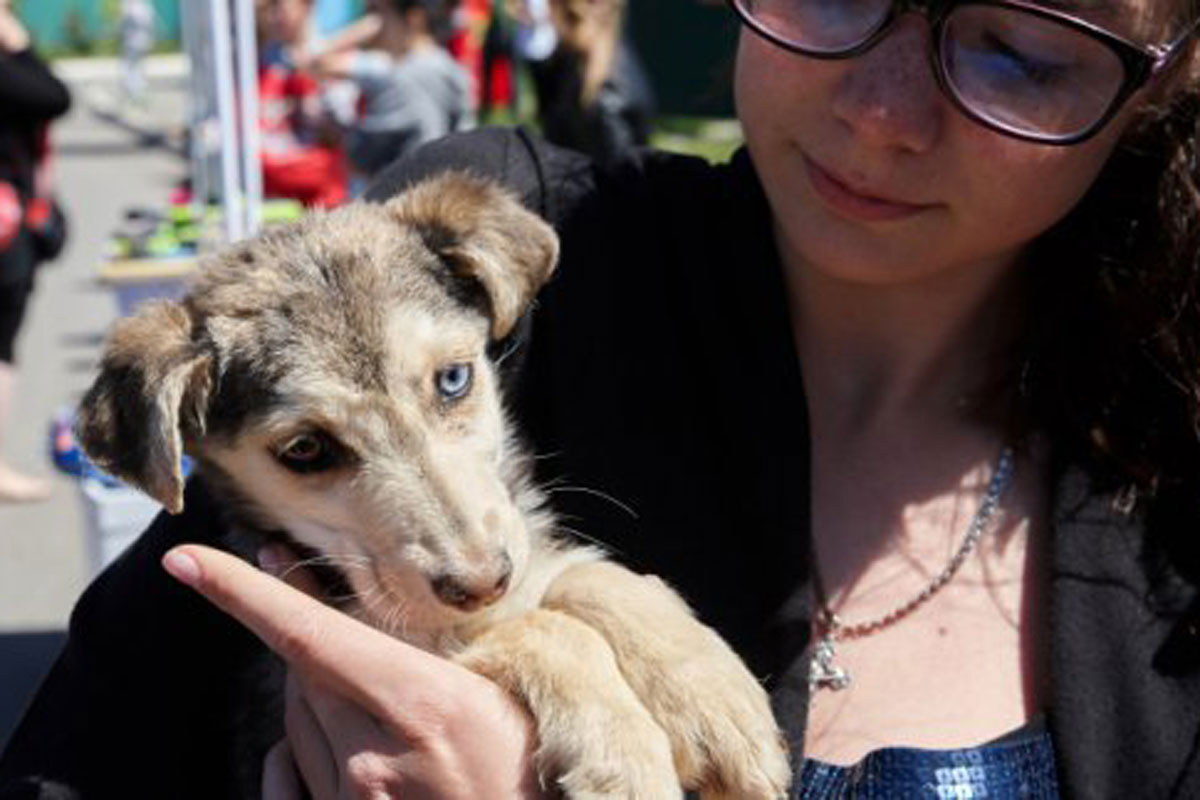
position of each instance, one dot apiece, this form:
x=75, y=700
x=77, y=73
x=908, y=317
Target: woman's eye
x=308, y=452
x=453, y=382
x=1012, y=62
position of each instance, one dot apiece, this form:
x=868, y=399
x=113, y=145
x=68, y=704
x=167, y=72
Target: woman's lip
x=853, y=204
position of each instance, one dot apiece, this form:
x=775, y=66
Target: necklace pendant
x=822, y=672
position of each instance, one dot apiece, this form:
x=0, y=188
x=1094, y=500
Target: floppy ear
x=484, y=233
x=153, y=387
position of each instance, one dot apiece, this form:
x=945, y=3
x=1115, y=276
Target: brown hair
x=1110, y=365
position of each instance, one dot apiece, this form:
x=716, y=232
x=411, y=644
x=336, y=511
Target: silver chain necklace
x=823, y=673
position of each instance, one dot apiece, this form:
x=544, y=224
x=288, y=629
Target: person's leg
x=14, y=486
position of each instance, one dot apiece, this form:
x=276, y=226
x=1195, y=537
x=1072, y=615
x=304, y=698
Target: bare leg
x=15, y=487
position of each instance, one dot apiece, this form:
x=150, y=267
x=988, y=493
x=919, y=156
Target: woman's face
x=875, y=177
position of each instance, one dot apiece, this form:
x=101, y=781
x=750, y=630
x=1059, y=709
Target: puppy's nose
x=465, y=595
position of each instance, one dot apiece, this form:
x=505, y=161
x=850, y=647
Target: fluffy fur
x=332, y=379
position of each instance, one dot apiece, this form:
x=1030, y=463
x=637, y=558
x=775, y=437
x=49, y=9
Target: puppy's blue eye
x=453, y=381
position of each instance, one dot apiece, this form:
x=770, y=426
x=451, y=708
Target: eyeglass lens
x=1015, y=68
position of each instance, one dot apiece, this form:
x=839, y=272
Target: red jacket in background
x=296, y=164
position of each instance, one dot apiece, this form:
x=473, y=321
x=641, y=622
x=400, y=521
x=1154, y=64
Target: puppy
x=333, y=381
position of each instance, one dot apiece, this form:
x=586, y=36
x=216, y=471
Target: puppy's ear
x=484, y=233
x=153, y=387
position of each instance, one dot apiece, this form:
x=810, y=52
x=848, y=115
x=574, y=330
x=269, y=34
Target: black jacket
x=30, y=98
x=660, y=371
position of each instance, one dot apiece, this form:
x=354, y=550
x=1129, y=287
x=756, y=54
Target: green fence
x=85, y=26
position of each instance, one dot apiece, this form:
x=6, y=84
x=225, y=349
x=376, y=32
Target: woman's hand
x=367, y=715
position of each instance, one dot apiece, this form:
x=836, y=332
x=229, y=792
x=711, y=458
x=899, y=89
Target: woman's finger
x=309, y=744
x=369, y=668
x=280, y=780
x=353, y=736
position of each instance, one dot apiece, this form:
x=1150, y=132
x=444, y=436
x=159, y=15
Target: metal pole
x=195, y=39
x=222, y=52
x=248, y=117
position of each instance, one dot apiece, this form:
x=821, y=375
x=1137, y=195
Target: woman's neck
x=880, y=354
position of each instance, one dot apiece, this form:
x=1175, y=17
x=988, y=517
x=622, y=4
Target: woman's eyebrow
x=1123, y=17
x=1105, y=7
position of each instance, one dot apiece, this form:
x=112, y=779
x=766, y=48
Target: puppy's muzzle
x=472, y=593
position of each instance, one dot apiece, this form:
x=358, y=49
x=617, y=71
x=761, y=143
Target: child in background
x=301, y=157
x=410, y=88
x=137, y=39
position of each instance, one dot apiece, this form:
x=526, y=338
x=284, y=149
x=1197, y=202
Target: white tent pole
x=195, y=39
x=247, y=63
x=231, y=200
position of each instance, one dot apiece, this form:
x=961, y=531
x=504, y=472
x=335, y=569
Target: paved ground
x=109, y=159
x=106, y=162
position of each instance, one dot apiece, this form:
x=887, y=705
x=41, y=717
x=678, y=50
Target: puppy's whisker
x=593, y=493
x=362, y=597
x=383, y=609
x=326, y=562
x=395, y=619
x=372, y=601
x=508, y=351
x=588, y=538
x=346, y=562
x=546, y=486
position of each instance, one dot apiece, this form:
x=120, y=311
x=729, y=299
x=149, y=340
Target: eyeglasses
x=1017, y=68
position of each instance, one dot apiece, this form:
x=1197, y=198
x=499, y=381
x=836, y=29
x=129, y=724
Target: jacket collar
x=1125, y=648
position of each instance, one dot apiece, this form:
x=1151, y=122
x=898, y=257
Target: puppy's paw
x=596, y=739
x=725, y=739
x=621, y=758
x=715, y=714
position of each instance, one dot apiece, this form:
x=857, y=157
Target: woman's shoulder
x=555, y=181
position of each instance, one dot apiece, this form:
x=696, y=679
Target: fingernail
x=273, y=559
x=182, y=567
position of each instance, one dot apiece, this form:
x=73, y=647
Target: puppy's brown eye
x=309, y=452
x=453, y=381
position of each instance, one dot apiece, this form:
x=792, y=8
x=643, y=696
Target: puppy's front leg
x=717, y=716
x=596, y=740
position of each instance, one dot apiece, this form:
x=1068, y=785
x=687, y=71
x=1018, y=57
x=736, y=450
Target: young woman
x=32, y=97
x=905, y=398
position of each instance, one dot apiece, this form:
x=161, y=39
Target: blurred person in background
x=137, y=39
x=592, y=91
x=30, y=97
x=410, y=89
x=302, y=158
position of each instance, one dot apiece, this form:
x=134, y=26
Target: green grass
x=713, y=139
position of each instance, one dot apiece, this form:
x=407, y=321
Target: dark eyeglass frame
x=1141, y=63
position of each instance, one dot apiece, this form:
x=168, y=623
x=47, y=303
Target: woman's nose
x=889, y=95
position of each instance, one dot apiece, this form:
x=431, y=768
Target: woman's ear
x=483, y=233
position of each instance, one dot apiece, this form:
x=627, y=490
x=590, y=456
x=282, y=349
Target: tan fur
x=333, y=333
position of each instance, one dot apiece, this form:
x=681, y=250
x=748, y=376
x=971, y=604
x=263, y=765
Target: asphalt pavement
x=110, y=156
